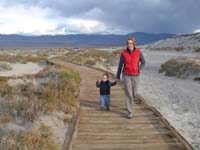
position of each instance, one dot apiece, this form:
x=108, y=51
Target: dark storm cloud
x=169, y=16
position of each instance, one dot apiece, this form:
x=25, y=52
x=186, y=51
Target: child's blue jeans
x=105, y=100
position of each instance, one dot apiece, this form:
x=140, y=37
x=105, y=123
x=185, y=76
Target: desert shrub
x=197, y=50
x=5, y=66
x=3, y=79
x=179, y=48
x=29, y=58
x=117, y=52
x=70, y=75
x=160, y=48
x=181, y=67
x=22, y=58
x=5, y=89
x=90, y=62
x=5, y=57
x=91, y=56
x=57, y=93
x=197, y=78
x=168, y=67
x=36, y=139
x=5, y=118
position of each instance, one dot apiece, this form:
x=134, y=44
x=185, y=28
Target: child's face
x=104, y=78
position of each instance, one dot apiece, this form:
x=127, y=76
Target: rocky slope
x=187, y=42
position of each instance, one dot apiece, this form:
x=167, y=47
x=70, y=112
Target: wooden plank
x=127, y=137
x=125, y=146
x=174, y=147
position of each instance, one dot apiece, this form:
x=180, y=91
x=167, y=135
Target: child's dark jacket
x=105, y=87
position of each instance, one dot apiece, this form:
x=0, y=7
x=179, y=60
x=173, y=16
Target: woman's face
x=130, y=45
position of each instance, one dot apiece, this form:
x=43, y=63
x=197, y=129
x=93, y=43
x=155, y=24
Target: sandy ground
x=22, y=69
x=177, y=100
x=58, y=127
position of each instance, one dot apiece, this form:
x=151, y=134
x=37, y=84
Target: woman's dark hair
x=132, y=39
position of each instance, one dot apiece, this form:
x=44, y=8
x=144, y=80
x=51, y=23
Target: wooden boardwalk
x=111, y=130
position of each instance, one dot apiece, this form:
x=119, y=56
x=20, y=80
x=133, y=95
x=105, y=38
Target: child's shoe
x=108, y=108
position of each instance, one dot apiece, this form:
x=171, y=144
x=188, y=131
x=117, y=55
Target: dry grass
x=197, y=78
x=197, y=50
x=36, y=139
x=179, y=48
x=5, y=118
x=160, y=48
x=5, y=66
x=5, y=88
x=27, y=102
x=22, y=58
x=57, y=94
x=91, y=57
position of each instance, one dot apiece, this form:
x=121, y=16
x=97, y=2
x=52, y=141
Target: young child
x=105, y=86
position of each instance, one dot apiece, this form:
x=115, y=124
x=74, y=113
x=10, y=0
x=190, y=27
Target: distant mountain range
x=76, y=40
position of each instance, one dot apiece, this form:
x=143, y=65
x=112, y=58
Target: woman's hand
x=117, y=80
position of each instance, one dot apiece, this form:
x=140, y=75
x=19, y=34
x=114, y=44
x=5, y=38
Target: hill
x=185, y=42
x=76, y=40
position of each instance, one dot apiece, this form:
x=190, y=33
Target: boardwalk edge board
x=168, y=125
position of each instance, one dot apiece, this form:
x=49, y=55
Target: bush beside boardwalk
x=182, y=67
x=36, y=109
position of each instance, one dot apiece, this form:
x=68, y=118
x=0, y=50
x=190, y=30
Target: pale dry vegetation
x=35, y=139
x=182, y=67
x=24, y=102
x=92, y=57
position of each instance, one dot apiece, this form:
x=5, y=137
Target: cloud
x=74, y=26
x=105, y=16
x=20, y=20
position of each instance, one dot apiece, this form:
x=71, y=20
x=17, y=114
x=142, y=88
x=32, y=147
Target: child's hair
x=106, y=74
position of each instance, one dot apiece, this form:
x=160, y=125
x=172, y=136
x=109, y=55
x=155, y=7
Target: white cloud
x=106, y=16
x=32, y=20
x=86, y=26
x=197, y=30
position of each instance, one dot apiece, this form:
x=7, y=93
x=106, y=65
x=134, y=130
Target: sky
x=41, y=17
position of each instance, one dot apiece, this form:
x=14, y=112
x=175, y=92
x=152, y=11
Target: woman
x=130, y=64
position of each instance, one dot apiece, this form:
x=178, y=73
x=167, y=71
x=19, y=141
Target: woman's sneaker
x=130, y=115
